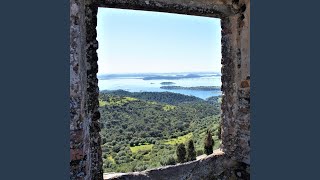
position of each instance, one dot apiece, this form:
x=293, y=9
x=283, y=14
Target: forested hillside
x=141, y=130
x=161, y=97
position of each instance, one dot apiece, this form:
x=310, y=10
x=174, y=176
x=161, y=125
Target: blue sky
x=140, y=41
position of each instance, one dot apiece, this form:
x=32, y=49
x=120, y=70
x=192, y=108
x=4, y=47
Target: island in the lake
x=199, y=88
x=167, y=83
x=172, y=77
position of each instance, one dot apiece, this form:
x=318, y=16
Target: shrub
x=219, y=131
x=104, y=140
x=168, y=161
x=105, y=156
x=171, y=161
x=116, y=148
x=199, y=152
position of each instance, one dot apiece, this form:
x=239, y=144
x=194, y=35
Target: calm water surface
x=137, y=84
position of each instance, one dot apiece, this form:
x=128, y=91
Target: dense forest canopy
x=160, y=97
x=141, y=130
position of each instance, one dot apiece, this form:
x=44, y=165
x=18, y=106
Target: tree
x=191, y=153
x=208, y=143
x=219, y=131
x=181, y=153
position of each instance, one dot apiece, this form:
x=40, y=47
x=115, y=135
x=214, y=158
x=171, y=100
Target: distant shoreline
x=198, y=88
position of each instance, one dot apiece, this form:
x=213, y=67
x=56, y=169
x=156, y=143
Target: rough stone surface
x=212, y=167
x=79, y=142
x=85, y=150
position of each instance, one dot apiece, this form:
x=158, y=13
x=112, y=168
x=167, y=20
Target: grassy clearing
x=151, y=102
x=180, y=139
x=146, y=147
x=168, y=107
x=130, y=99
x=102, y=103
x=122, y=101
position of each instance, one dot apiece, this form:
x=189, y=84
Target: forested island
x=173, y=77
x=167, y=83
x=144, y=130
x=200, y=88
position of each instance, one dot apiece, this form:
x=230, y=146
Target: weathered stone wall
x=91, y=10
x=85, y=150
x=236, y=83
x=79, y=133
x=213, y=167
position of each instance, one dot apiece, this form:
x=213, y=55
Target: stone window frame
x=231, y=15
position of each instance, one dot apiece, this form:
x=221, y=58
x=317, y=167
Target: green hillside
x=141, y=130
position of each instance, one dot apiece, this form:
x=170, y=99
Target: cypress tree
x=181, y=153
x=208, y=143
x=191, y=153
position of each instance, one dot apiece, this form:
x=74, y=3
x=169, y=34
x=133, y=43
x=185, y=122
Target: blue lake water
x=137, y=84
